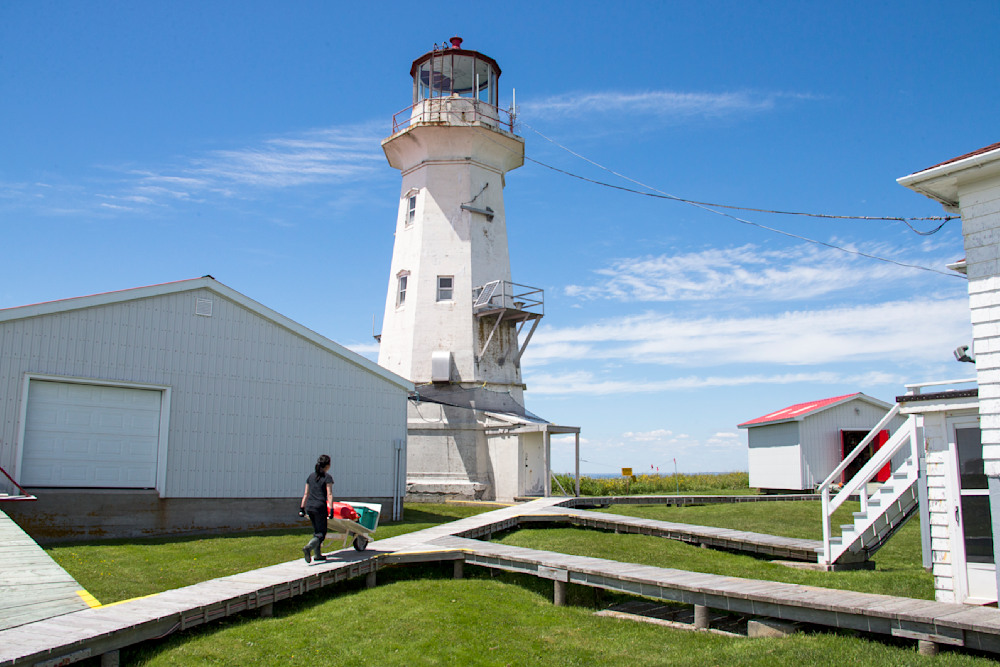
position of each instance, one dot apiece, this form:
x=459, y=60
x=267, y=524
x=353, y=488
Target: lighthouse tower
x=455, y=323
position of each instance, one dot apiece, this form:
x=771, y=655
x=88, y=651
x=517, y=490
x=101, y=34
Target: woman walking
x=316, y=502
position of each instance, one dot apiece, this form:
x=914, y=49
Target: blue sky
x=148, y=142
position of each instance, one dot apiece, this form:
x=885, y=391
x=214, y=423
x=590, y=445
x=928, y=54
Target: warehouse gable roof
x=800, y=411
x=208, y=283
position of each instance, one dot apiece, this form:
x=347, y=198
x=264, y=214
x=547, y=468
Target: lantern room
x=453, y=71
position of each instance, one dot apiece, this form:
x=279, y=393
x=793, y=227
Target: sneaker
x=307, y=552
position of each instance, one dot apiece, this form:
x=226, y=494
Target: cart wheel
x=360, y=542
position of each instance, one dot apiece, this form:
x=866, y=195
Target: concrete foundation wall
x=68, y=515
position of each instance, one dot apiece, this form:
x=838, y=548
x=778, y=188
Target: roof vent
x=456, y=42
x=203, y=307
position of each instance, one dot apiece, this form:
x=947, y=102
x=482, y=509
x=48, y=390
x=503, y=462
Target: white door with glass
x=973, y=514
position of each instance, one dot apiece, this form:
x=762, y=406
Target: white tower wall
x=446, y=167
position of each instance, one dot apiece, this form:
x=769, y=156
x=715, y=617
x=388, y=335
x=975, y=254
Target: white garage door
x=83, y=435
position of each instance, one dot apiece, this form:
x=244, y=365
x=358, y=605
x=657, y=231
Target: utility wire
x=656, y=195
x=706, y=207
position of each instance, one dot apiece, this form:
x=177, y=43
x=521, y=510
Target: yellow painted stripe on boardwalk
x=91, y=601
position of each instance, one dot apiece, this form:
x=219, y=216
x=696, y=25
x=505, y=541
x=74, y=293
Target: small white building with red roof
x=797, y=447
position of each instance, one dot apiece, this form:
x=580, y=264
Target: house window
x=401, y=281
x=446, y=287
x=411, y=209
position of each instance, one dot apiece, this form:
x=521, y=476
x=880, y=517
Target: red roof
x=798, y=411
x=980, y=151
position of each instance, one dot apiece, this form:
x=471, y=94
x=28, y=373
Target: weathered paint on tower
x=453, y=150
x=455, y=323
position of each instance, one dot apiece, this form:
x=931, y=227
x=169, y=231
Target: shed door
x=84, y=435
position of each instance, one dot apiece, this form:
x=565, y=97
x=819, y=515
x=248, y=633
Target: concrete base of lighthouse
x=462, y=453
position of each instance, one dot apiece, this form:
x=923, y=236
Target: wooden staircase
x=885, y=506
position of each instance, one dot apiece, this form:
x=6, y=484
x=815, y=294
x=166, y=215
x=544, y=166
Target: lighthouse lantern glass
x=447, y=73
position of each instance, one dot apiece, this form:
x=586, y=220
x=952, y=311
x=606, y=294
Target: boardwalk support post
x=926, y=647
x=109, y=659
x=267, y=610
x=458, y=570
x=701, y=619
x=370, y=580
x=559, y=593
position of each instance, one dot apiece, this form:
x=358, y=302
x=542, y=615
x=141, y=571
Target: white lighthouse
x=455, y=323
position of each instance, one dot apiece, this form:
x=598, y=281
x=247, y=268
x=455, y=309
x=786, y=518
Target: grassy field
x=654, y=485
x=419, y=615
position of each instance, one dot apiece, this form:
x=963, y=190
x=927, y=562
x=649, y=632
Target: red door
x=849, y=440
x=883, y=474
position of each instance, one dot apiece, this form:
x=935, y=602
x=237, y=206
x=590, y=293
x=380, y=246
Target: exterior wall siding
x=980, y=207
x=252, y=403
x=774, y=456
x=940, y=505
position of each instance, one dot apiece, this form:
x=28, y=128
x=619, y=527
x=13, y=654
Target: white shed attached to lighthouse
x=455, y=323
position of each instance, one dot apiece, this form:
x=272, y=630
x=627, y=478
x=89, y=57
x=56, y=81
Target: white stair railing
x=904, y=436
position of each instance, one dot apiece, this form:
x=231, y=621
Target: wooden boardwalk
x=743, y=541
x=939, y=622
x=32, y=585
x=104, y=630
x=684, y=500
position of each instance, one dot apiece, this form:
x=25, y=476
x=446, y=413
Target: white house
x=186, y=407
x=950, y=442
x=961, y=428
x=796, y=448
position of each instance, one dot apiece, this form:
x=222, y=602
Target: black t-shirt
x=317, y=490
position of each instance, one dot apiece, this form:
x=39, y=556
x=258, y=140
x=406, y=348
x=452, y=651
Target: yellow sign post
x=626, y=472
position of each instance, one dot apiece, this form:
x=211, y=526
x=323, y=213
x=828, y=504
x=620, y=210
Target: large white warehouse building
x=186, y=407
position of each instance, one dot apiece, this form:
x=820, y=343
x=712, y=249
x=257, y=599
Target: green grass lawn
x=487, y=620
x=118, y=570
x=419, y=615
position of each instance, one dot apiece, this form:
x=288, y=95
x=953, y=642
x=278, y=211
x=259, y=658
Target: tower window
x=401, y=289
x=446, y=288
x=411, y=210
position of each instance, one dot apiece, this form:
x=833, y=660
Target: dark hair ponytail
x=322, y=462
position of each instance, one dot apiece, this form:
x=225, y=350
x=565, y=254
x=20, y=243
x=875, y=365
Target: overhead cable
x=708, y=207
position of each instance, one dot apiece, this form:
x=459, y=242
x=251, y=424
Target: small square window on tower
x=401, y=280
x=446, y=288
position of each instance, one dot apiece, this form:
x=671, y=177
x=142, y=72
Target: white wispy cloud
x=317, y=156
x=347, y=153
x=581, y=383
x=898, y=330
x=749, y=272
x=660, y=103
